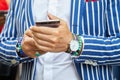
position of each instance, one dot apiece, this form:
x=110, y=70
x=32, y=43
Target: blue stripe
x=85, y=20
x=90, y=17
x=95, y=17
x=90, y=72
x=101, y=19
x=75, y=17
x=85, y=72
x=71, y=18
x=82, y=4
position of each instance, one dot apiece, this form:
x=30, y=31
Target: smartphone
x=49, y=23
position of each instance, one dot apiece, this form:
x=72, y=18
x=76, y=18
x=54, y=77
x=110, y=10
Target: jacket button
x=90, y=62
x=13, y=61
x=87, y=62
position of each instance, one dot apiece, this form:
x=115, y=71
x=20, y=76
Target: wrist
x=70, y=37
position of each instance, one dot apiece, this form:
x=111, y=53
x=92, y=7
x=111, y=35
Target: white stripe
x=11, y=38
x=21, y=16
x=7, y=44
x=29, y=14
x=17, y=18
x=97, y=73
x=117, y=15
x=7, y=56
x=98, y=6
x=9, y=30
x=73, y=13
x=82, y=71
x=103, y=77
x=78, y=24
x=107, y=39
x=7, y=50
x=103, y=19
x=83, y=26
x=93, y=19
x=21, y=30
x=102, y=45
x=112, y=73
x=26, y=10
x=13, y=32
x=107, y=19
x=103, y=51
x=112, y=17
x=92, y=73
x=107, y=72
x=16, y=6
x=88, y=74
x=100, y=57
x=33, y=69
x=88, y=18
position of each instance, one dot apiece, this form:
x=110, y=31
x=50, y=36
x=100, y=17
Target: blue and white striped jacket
x=97, y=21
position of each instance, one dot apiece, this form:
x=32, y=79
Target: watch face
x=74, y=45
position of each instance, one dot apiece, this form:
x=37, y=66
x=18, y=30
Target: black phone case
x=50, y=23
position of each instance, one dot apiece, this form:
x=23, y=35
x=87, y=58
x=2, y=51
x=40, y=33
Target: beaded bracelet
x=19, y=48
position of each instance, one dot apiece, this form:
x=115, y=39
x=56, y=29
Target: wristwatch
x=75, y=46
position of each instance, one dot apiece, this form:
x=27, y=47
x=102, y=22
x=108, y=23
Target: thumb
x=52, y=17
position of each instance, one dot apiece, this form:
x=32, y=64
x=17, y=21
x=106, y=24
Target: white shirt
x=54, y=66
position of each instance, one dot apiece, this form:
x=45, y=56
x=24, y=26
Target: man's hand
x=52, y=39
x=28, y=44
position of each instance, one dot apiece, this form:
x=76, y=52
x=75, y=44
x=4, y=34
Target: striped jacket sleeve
x=8, y=40
x=104, y=50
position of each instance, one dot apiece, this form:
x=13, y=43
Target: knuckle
x=57, y=32
x=26, y=42
x=55, y=40
x=26, y=48
x=53, y=46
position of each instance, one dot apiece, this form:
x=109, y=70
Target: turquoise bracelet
x=19, y=48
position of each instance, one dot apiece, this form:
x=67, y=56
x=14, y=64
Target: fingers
x=31, y=54
x=28, y=46
x=52, y=49
x=28, y=40
x=28, y=33
x=43, y=30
